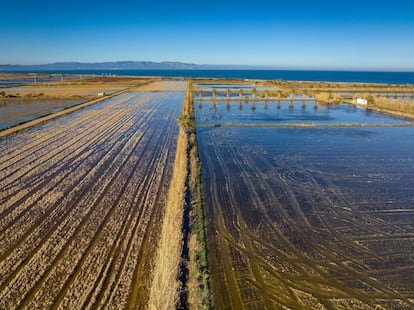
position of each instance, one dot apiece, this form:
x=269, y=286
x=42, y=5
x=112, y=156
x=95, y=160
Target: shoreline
x=347, y=76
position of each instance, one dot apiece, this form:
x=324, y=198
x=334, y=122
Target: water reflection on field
x=34, y=80
x=14, y=112
x=308, y=217
x=264, y=112
x=231, y=86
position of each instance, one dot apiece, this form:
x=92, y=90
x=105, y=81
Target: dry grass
x=71, y=89
x=159, y=86
x=341, y=86
x=328, y=97
x=151, y=87
x=165, y=286
x=12, y=76
x=386, y=104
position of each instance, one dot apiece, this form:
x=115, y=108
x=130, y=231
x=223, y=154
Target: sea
x=302, y=75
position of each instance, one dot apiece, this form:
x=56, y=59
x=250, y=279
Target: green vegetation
x=370, y=99
x=199, y=292
x=183, y=122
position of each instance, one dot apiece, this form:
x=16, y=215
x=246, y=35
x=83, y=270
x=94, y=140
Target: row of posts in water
x=253, y=106
x=264, y=96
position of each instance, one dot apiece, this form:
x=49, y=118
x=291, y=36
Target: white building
x=362, y=101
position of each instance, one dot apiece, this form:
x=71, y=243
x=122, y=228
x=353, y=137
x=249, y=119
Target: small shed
x=362, y=101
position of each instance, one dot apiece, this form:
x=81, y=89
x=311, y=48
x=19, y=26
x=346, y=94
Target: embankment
x=165, y=287
x=198, y=285
x=181, y=274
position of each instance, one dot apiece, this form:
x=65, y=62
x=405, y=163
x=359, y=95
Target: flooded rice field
x=235, y=90
x=36, y=79
x=287, y=112
x=231, y=86
x=308, y=218
x=15, y=111
x=81, y=198
x=80, y=90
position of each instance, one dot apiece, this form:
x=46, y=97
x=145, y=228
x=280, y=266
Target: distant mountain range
x=123, y=65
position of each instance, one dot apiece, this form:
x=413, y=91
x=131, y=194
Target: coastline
x=387, y=77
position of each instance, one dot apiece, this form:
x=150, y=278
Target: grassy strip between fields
x=309, y=125
x=48, y=117
x=165, y=287
x=392, y=107
x=199, y=292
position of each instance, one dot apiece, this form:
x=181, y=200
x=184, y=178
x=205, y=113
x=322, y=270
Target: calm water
x=308, y=218
x=15, y=112
x=234, y=112
x=33, y=80
x=333, y=76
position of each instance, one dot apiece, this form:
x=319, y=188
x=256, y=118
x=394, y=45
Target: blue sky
x=350, y=34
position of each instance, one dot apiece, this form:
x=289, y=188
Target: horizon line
x=224, y=66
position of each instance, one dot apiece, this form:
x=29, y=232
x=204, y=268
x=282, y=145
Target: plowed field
x=81, y=200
